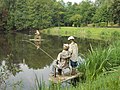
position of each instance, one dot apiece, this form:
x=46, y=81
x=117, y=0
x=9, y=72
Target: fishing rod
x=40, y=49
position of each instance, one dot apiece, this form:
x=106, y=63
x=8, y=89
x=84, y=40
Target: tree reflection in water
x=8, y=68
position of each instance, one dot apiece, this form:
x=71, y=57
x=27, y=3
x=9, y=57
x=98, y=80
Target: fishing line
x=40, y=49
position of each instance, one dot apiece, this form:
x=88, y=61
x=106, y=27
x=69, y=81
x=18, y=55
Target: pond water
x=23, y=63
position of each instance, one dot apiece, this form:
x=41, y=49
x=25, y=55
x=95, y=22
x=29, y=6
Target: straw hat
x=65, y=46
x=37, y=32
x=71, y=38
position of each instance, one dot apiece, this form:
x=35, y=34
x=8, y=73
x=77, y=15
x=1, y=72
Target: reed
x=101, y=60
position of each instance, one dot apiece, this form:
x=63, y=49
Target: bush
x=89, y=34
x=111, y=23
x=96, y=24
x=100, y=24
x=103, y=35
x=105, y=82
x=93, y=25
x=83, y=25
x=103, y=24
x=115, y=35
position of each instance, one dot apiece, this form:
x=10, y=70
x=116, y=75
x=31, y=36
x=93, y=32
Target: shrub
x=83, y=25
x=93, y=25
x=111, y=23
x=105, y=82
x=103, y=35
x=89, y=34
x=103, y=24
x=115, y=35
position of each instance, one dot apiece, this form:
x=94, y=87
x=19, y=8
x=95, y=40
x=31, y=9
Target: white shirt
x=73, y=48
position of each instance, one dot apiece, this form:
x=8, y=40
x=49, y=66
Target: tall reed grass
x=102, y=82
x=101, y=60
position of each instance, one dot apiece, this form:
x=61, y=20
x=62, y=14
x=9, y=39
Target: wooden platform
x=36, y=40
x=63, y=78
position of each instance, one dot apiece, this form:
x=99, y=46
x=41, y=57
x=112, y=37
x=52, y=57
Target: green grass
x=103, y=82
x=83, y=32
x=101, y=60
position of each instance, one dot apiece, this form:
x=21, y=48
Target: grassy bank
x=85, y=32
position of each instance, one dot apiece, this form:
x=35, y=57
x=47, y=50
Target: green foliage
x=97, y=63
x=40, y=14
x=76, y=19
x=103, y=24
x=115, y=10
x=103, y=35
x=115, y=35
x=115, y=54
x=28, y=14
x=101, y=60
x=103, y=82
x=101, y=14
x=111, y=23
x=89, y=33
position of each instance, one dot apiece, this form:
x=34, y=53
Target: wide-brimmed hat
x=37, y=32
x=71, y=38
x=66, y=46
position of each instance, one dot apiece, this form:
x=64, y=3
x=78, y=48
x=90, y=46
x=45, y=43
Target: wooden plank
x=36, y=39
x=63, y=78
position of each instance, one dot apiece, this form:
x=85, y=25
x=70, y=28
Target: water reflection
x=27, y=61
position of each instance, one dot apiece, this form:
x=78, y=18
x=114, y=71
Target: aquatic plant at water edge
x=101, y=60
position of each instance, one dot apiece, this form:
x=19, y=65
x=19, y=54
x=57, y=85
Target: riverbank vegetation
x=18, y=15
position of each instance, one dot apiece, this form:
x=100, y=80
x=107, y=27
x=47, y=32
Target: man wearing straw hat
x=73, y=48
x=63, y=58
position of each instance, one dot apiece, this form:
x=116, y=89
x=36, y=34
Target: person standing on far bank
x=73, y=48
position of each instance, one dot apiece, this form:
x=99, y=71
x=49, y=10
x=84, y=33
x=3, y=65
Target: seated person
x=63, y=59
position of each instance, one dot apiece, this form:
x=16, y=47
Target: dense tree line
x=39, y=14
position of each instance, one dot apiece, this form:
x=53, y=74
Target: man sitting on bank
x=63, y=58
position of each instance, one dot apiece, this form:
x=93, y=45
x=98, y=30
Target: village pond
x=21, y=62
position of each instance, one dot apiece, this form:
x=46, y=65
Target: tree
x=101, y=15
x=115, y=11
x=29, y=14
x=69, y=12
x=58, y=14
x=76, y=19
x=87, y=10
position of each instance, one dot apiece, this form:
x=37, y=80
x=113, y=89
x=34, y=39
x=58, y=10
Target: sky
x=77, y=1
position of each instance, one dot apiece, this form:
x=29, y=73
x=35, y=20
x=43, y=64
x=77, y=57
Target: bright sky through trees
x=77, y=1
